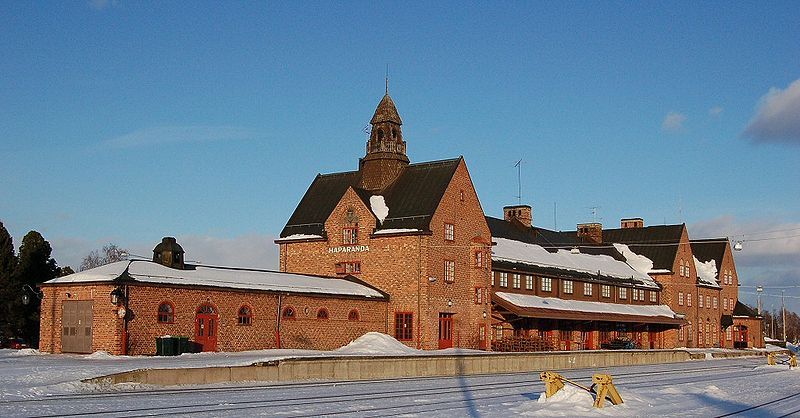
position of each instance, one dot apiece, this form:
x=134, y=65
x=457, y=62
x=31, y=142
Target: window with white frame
x=688, y=299
x=567, y=286
x=623, y=293
x=725, y=304
x=449, y=232
x=634, y=294
x=492, y=276
x=449, y=271
x=478, y=296
x=708, y=301
x=515, y=280
x=729, y=333
x=641, y=294
x=653, y=296
x=478, y=259
x=547, y=284
x=700, y=301
x=587, y=289
x=529, y=282
x=605, y=290
x=680, y=334
x=715, y=302
x=503, y=279
x=681, y=268
x=680, y=298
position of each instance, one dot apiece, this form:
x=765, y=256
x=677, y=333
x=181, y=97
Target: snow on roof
x=298, y=236
x=376, y=343
x=379, y=208
x=150, y=272
x=520, y=252
x=706, y=272
x=395, y=231
x=530, y=301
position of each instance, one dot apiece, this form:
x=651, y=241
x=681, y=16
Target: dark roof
x=318, y=203
x=710, y=249
x=550, y=240
x=412, y=198
x=743, y=310
x=386, y=112
x=659, y=243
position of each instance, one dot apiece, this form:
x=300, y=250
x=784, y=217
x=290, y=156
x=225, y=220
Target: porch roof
x=530, y=306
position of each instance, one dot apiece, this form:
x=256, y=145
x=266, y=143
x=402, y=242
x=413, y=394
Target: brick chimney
x=522, y=213
x=631, y=223
x=591, y=232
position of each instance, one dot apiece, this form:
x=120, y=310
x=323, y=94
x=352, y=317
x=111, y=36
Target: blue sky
x=128, y=121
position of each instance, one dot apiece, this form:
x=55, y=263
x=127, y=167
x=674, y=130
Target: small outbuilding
x=123, y=307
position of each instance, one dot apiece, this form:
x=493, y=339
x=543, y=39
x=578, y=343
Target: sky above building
x=127, y=121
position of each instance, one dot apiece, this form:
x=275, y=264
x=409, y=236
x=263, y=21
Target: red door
x=482, y=337
x=205, y=327
x=653, y=339
x=445, y=330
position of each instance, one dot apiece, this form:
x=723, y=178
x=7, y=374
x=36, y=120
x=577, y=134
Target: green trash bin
x=159, y=346
x=166, y=346
x=183, y=345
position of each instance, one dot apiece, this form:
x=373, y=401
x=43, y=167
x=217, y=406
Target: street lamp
x=117, y=296
x=26, y=291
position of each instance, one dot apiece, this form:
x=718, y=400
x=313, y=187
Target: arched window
x=322, y=313
x=353, y=315
x=166, y=313
x=245, y=315
x=380, y=133
x=289, y=313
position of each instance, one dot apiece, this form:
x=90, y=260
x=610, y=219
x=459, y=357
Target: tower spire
x=386, y=150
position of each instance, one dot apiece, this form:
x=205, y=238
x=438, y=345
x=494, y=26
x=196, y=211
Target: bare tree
x=109, y=254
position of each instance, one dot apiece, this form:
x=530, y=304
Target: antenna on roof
x=387, y=78
x=594, y=213
x=555, y=218
x=519, y=181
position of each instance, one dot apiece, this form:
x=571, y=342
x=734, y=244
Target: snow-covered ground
x=33, y=384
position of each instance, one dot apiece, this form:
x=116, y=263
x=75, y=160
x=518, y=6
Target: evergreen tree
x=8, y=263
x=34, y=266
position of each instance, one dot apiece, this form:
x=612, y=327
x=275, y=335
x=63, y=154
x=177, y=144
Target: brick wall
x=305, y=331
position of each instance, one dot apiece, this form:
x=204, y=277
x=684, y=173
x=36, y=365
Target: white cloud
x=673, y=122
x=715, y=111
x=777, y=118
x=172, y=134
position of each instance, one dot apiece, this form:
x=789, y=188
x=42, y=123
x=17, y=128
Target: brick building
x=121, y=308
x=415, y=231
x=551, y=291
x=740, y=326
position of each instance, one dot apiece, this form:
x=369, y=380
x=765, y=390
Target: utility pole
x=783, y=315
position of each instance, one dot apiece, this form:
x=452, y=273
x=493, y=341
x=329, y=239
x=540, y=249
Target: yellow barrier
x=553, y=382
x=605, y=387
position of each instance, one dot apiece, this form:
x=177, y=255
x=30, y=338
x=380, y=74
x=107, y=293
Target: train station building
x=406, y=249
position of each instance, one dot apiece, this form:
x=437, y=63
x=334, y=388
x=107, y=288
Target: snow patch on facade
x=706, y=272
x=639, y=262
x=379, y=208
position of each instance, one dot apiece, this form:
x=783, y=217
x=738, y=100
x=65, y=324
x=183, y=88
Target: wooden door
x=445, y=330
x=205, y=327
x=76, y=326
